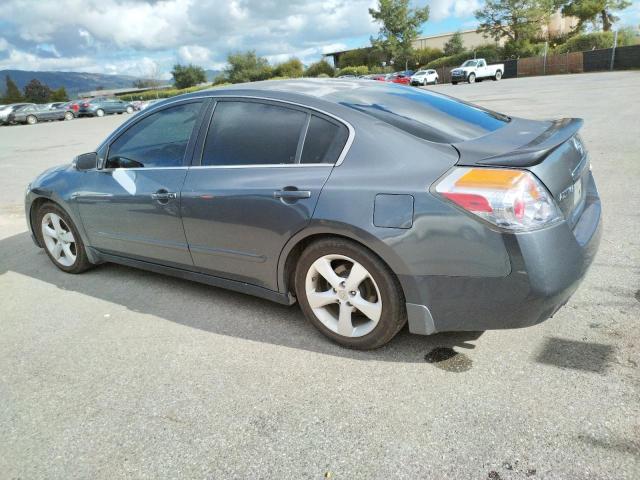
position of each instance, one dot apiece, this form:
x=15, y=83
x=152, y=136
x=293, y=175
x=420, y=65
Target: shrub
x=292, y=68
x=247, y=67
x=320, y=68
x=360, y=70
x=188, y=76
x=595, y=41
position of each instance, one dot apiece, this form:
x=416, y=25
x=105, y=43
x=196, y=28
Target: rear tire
x=454, y=83
x=60, y=239
x=359, y=282
x=68, y=116
x=498, y=75
x=129, y=110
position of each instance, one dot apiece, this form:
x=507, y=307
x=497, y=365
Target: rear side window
x=324, y=141
x=159, y=140
x=252, y=133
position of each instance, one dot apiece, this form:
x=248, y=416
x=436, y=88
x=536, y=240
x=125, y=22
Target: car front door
x=131, y=206
x=258, y=180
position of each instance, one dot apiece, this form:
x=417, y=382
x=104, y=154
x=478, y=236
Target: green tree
x=37, y=92
x=318, y=68
x=593, y=10
x=515, y=20
x=12, y=92
x=454, y=45
x=422, y=56
x=59, y=95
x=247, y=67
x=399, y=28
x=292, y=68
x=355, y=57
x=185, y=76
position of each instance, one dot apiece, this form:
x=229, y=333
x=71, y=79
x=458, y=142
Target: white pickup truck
x=476, y=69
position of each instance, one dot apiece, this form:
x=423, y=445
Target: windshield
x=470, y=63
x=427, y=115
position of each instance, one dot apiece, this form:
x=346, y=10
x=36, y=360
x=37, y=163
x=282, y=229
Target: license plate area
x=577, y=193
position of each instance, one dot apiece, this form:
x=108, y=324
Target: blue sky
x=146, y=37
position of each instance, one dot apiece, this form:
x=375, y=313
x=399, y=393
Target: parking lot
x=120, y=373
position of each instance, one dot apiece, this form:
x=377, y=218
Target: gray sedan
x=371, y=205
x=32, y=114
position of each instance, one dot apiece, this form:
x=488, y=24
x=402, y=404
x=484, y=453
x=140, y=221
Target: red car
x=402, y=78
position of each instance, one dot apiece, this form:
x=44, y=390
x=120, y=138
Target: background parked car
x=32, y=114
x=476, y=70
x=8, y=109
x=99, y=107
x=424, y=77
x=401, y=77
x=148, y=103
x=73, y=107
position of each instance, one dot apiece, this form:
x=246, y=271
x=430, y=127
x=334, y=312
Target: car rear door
x=256, y=184
x=131, y=206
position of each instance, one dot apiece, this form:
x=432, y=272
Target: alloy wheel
x=343, y=295
x=59, y=239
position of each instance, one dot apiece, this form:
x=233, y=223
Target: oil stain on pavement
x=446, y=358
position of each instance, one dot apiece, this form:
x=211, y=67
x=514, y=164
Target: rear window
x=427, y=115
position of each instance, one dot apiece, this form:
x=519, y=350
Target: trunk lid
x=551, y=150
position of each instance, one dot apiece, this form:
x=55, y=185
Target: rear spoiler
x=535, y=151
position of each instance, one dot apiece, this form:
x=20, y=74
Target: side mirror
x=86, y=161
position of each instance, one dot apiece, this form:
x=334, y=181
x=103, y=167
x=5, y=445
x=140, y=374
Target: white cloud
x=442, y=9
x=107, y=35
x=194, y=54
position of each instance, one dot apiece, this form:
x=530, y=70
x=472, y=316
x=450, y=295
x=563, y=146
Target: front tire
x=471, y=78
x=32, y=120
x=61, y=239
x=349, y=294
x=99, y=113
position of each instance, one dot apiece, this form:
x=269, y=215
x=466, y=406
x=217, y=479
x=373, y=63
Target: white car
x=476, y=70
x=424, y=77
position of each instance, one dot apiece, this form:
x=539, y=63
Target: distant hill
x=212, y=74
x=73, y=82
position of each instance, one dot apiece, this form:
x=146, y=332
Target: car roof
x=321, y=88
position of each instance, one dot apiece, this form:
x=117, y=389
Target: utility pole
x=613, y=50
x=544, y=65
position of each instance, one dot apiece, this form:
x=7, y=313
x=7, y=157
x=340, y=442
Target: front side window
x=324, y=141
x=251, y=133
x=159, y=140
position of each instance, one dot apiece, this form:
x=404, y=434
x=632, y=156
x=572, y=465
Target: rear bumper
x=547, y=268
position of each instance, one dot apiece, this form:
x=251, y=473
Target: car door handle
x=164, y=196
x=292, y=194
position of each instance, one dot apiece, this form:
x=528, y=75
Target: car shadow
x=208, y=308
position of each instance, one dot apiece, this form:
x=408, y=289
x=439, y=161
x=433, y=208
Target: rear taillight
x=508, y=198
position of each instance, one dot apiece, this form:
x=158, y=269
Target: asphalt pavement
x=120, y=373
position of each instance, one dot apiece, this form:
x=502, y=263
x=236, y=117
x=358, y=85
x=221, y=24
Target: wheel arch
x=296, y=245
x=36, y=204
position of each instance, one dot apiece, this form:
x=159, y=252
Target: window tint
x=159, y=140
x=427, y=115
x=249, y=133
x=324, y=141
